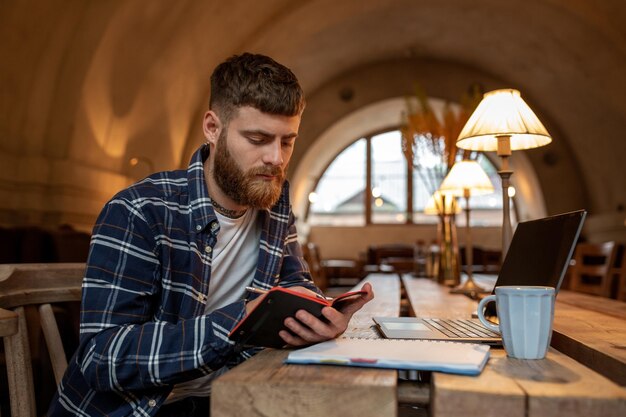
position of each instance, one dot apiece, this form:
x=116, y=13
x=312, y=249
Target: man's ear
x=211, y=126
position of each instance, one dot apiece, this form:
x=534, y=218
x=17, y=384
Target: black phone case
x=261, y=326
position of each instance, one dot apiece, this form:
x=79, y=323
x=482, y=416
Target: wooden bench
x=23, y=286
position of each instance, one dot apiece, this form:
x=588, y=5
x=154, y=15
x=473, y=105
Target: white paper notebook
x=421, y=355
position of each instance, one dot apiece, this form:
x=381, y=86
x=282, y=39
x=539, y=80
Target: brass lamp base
x=468, y=287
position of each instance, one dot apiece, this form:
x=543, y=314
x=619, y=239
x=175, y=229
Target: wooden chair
x=331, y=272
x=390, y=258
x=491, y=261
x=591, y=270
x=400, y=265
x=312, y=257
x=25, y=287
x=376, y=255
x=342, y=272
x=619, y=273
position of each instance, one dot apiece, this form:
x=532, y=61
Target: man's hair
x=257, y=81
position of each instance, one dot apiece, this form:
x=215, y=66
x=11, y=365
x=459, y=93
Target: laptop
x=538, y=255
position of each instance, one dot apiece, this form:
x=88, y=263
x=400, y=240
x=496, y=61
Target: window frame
x=410, y=169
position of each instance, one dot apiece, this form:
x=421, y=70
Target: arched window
x=338, y=198
x=370, y=182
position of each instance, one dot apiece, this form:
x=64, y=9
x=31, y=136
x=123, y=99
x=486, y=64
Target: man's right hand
x=305, y=328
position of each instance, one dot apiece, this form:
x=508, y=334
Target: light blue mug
x=525, y=314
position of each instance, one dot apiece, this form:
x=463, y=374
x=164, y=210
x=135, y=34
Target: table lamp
x=503, y=122
x=467, y=178
x=436, y=203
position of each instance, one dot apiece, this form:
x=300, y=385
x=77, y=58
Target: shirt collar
x=201, y=208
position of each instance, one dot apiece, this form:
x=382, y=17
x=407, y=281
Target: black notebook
x=261, y=326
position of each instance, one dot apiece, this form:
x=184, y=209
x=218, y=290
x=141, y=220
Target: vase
x=449, y=271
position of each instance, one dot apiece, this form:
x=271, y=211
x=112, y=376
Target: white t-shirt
x=233, y=265
x=234, y=259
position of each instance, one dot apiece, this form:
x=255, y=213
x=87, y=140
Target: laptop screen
x=541, y=249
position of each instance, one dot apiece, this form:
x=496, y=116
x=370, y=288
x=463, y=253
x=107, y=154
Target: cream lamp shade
x=503, y=122
x=503, y=113
x=436, y=201
x=466, y=175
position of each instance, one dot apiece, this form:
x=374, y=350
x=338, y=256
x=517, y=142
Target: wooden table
x=555, y=386
x=588, y=328
x=592, y=330
x=264, y=386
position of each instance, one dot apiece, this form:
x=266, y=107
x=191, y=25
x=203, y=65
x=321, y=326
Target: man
x=171, y=256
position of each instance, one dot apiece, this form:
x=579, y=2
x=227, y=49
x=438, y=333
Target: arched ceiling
x=93, y=83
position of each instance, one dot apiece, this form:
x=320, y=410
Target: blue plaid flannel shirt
x=143, y=326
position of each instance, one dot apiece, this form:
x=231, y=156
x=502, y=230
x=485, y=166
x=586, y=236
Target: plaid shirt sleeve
x=123, y=347
x=294, y=270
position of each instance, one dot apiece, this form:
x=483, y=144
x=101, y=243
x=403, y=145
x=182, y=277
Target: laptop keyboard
x=460, y=328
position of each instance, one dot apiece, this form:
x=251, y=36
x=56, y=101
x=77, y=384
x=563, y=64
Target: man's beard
x=245, y=188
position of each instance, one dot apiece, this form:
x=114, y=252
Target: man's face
x=252, y=154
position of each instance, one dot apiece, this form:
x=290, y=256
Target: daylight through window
x=344, y=188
